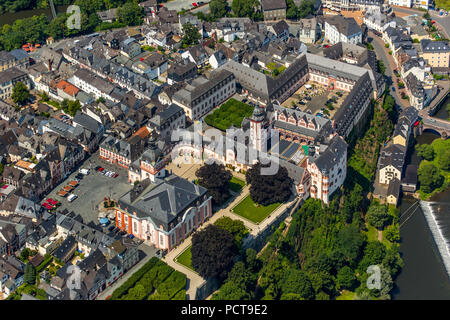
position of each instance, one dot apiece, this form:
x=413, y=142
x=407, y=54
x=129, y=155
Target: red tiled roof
x=142, y=132
x=68, y=88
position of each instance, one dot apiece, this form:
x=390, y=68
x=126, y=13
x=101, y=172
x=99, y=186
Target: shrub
x=173, y=284
x=123, y=289
x=181, y=295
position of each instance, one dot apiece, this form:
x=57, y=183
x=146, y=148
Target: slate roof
x=410, y=174
x=323, y=126
x=394, y=188
x=335, y=151
x=434, y=46
x=414, y=85
x=65, y=247
x=11, y=74
x=165, y=115
x=163, y=202
x=273, y=4
x=201, y=85
x=345, y=26
x=280, y=27
x=393, y=155
x=101, y=84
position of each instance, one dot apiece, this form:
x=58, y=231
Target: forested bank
x=37, y=29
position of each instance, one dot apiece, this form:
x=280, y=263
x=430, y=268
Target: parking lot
x=93, y=188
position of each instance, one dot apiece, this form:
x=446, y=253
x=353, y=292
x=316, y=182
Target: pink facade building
x=165, y=212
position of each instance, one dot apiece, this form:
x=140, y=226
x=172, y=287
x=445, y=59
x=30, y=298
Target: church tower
x=257, y=128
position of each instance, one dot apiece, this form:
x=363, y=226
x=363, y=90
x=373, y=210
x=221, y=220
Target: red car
x=52, y=202
x=115, y=175
x=100, y=169
x=47, y=206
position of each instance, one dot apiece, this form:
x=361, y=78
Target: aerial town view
x=224, y=150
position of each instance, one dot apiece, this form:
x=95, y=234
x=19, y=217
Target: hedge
x=158, y=275
x=123, y=289
x=44, y=264
x=173, y=284
x=181, y=295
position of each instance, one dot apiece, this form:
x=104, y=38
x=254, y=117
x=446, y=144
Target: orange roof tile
x=68, y=88
x=142, y=132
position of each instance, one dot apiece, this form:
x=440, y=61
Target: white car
x=84, y=171
x=72, y=197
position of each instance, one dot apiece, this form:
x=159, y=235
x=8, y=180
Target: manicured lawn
x=236, y=184
x=185, y=258
x=443, y=4
x=230, y=113
x=251, y=211
x=346, y=295
x=372, y=233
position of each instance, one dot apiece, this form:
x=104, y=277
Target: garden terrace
x=231, y=113
x=249, y=210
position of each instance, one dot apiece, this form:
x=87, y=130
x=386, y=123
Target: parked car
x=84, y=171
x=72, y=197
x=393, y=89
x=115, y=175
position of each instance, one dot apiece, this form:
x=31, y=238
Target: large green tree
x=425, y=151
x=374, y=253
x=130, y=14
x=297, y=281
x=213, y=251
x=216, y=178
x=346, y=278
x=29, y=274
x=266, y=189
x=191, y=35
x=245, y=8
x=218, y=8
x=306, y=8
x=443, y=159
x=235, y=227
x=429, y=177
x=378, y=216
x=21, y=93
x=350, y=242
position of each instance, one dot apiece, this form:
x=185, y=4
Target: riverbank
x=423, y=276
x=10, y=17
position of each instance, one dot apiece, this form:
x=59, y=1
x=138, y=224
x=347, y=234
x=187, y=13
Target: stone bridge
x=440, y=126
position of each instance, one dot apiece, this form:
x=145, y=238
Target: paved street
x=149, y=252
x=442, y=21
x=185, y=4
x=92, y=188
x=389, y=62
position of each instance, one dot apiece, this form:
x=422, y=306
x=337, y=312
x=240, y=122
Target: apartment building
x=202, y=94
x=340, y=29
x=436, y=53
x=163, y=213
